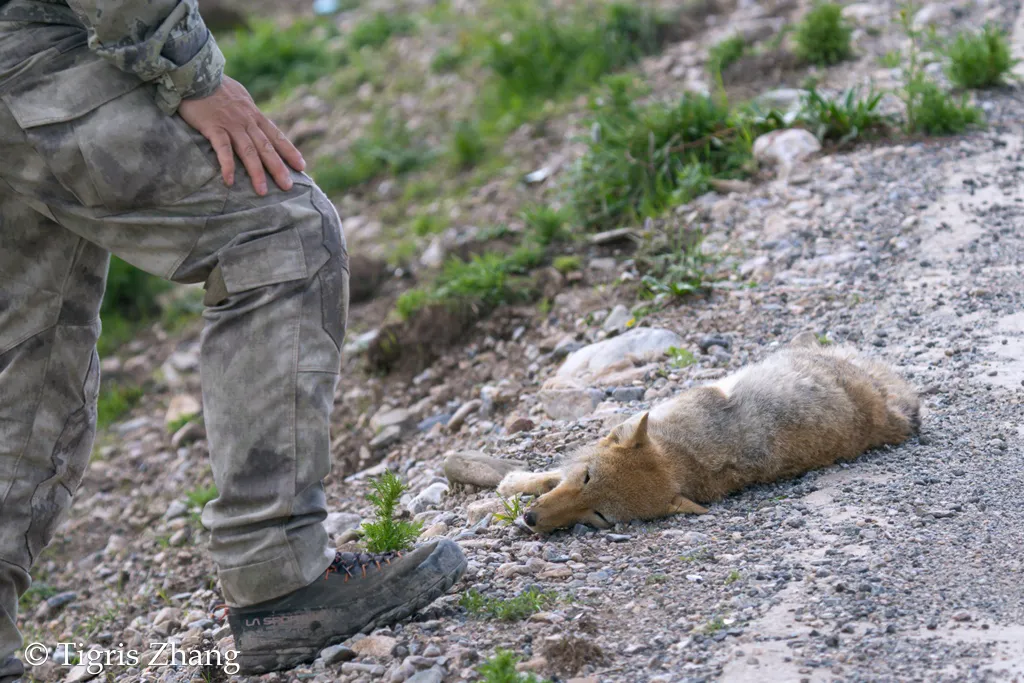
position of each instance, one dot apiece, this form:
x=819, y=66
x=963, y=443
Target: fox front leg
x=529, y=483
x=682, y=506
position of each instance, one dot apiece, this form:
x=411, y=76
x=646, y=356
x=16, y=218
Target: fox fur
x=804, y=407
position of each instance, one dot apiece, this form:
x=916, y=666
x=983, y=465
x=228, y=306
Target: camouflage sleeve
x=159, y=40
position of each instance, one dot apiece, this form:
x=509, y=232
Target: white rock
x=388, y=417
x=374, y=646
x=428, y=497
x=785, y=148
x=594, y=364
x=934, y=14
x=433, y=256
x=479, y=509
x=617, y=319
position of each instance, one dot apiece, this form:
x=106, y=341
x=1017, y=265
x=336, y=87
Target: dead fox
x=805, y=406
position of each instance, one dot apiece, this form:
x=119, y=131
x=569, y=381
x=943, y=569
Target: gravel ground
x=904, y=565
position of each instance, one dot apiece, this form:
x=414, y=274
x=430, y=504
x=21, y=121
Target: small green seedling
x=386, y=534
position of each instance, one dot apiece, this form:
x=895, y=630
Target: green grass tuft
x=387, y=148
x=937, y=112
x=501, y=668
x=980, y=60
x=115, y=402
x=642, y=160
x=681, y=358
x=541, y=52
x=268, y=58
x=378, y=29
x=468, y=146
x=567, y=264
x=513, y=509
x=518, y=608
x=546, y=224
x=823, y=37
x=386, y=534
x=177, y=424
x=725, y=53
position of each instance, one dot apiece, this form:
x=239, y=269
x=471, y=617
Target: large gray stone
x=476, y=469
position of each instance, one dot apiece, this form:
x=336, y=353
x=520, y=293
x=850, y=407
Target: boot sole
x=265, y=662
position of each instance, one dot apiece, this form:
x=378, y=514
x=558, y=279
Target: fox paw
x=528, y=483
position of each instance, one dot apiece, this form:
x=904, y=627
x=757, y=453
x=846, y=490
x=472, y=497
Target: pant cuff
x=286, y=573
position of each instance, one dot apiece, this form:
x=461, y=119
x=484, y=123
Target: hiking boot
x=11, y=669
x=359, y=592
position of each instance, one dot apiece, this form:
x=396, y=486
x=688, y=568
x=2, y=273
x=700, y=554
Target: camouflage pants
x=90, y=166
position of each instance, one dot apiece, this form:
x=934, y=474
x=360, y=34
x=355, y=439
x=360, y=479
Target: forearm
x=165, y=41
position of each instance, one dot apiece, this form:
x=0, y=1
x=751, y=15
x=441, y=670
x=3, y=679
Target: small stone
x=570, y=404
x=178, y=538
x=386, y=437
x=61, y=599
x=534, y=664
x=431, y=675
x=518, y=423
x=339, y=522
x=188, y=433
x=785, y=148
x=479, y=509
x=962, y=616
x=714, y=340
x=115, y=544
x=617, y=319
x=337, y=653
x=399, y=417
x=464, y=411
x=359, y=668
x=618, y=538
x=628, y=394
x=181, y=406
x=434, y=530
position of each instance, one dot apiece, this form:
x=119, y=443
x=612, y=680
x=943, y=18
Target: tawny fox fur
x=805, y=406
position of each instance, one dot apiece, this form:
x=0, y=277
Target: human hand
x=233, y=124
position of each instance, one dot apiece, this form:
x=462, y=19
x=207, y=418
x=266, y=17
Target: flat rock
x=392, y=416
x=337, y=653
x=479, y=509
x=374, y=646
x=570, y=404
x=596, y=363
x=464, y=411
x=617, y=319
x=386, y=437
x=476, y=469
x=785, y=148
x=431, y=675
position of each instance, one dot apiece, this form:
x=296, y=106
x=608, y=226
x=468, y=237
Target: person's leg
x=87, y=146
x=51, y=284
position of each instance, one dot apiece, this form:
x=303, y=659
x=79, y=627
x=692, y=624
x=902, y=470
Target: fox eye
x=586, y=477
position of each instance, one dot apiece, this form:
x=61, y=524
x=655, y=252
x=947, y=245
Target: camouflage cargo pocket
x=101, y=134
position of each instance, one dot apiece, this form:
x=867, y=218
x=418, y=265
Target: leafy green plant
x=891, y=59
x=546, y=224
x=714, y=626
x=929, y=109
x=541, y=52
x=567, y=264
x=733, y=577
x=513, y=509
x=201, y=495
x=267, y=58
x=115, y=402
x=376, y=30
x=468, y=147
x=387, y=148
x=725, y=53
x=518, y=608
x=677, y=271
x=429, y=224
x=35, y=594
x=848, y=117
x=823, y=37
x=385, y=533
x=641, y=160
x=681, y=358
x=980, y=59
x=501, y=668
x=411, y=301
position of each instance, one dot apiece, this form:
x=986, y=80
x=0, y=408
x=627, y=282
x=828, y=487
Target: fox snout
x=530, y=518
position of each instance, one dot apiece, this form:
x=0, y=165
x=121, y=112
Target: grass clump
x=929, y=109
x=823, y=37
x=385, y=533
x=567, y=264
x=681, y=358
x=448, y=59
x=642, y=160
x=267, y=58
x=180, y=422
x=542, y=52
x=115, y=402
x=376, y=30
x=429, y=224
x=725, y=53
x=387, y=148
x=513, y=509
x=546, y=224
x=850, y=116
x=501, y=668
x=468, y=146
x=674, y=266
x=518, y=608
x=979, y=60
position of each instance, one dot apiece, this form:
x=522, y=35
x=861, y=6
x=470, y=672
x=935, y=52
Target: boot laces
x=355, y=564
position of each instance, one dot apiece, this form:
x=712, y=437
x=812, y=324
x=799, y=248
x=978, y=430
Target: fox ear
x=681, y=505
x=623, y=436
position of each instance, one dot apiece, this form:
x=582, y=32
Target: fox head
x=620, y=478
